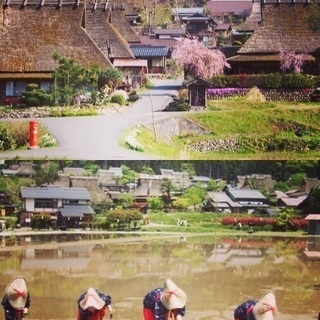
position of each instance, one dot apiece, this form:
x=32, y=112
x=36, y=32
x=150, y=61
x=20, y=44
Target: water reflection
x=216, y=272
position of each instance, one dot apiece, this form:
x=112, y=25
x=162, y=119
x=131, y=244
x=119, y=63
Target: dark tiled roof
x=172, y=32
x=30, y=36
x=186, y=11
x=223, y=27
x=147, y=40
x=283, y=27
x=76, y=210
x=55, y=192
x=149, y=51
x=235, y=7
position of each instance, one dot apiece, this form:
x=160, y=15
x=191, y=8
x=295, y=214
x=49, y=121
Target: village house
x=249, y=199
x=69, y=206
x=179, y=13
x=86, y=32
x=224, y=11
x=156, y=56
x=283, y=26
x=201, y=27
x=220, y=202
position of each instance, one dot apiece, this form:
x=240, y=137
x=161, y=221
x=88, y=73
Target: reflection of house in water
x=313, y=249
x=61, y=260
x=234, y=257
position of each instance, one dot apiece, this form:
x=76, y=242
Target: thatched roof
x=105, y=34
x=252, y=22
x=119, y=21
x=283, y=27
x=30, y=35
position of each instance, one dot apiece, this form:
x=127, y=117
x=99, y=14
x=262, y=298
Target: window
x=45, y=203
x=15, y=88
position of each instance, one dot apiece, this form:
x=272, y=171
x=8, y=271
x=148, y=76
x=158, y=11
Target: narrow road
x=97, y=137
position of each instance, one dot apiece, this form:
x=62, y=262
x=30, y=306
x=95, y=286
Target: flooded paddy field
x=217, y=272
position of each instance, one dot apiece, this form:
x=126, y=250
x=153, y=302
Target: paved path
x=97, y=138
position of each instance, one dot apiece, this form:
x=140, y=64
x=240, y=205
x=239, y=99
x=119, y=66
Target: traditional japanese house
x=286, y=25
x=32, y=31
x=201, y=26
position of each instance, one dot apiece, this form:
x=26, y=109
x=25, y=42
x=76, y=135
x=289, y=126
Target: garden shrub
x=266, y=81
x=133, y=96
x=47, y=140
x=35, y=97
x=271, y=81
x=119, y=99
x=19, y=131
x=6, y=140
x=183, y=106
x=296, y=81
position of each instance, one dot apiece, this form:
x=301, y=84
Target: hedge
x=267, y=81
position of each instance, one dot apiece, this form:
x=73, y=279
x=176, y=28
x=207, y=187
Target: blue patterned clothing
x=152, y=302
x=244, y=310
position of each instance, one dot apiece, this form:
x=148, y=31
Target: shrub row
x=294, y=224
x=266, y=81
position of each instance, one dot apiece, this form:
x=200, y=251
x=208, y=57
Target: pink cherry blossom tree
x=198, y=60
x=292, y=61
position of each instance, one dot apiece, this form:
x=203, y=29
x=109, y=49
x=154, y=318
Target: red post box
x=33, y=135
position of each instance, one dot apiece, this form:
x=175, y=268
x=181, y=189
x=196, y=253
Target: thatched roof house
x=32, y=31
x=284, y=26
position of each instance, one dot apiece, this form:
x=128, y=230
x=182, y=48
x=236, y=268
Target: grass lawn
x=263, y=130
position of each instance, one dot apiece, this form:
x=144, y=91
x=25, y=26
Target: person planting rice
x=92, y=305
x=263, y=309
x=162, y=303
x=16, y=300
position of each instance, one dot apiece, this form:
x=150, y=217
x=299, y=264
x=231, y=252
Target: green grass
x=238, y=118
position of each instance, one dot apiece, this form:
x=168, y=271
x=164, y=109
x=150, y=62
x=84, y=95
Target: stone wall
x=270, y=94
x=171, y=127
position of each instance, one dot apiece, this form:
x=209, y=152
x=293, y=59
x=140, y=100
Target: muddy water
x=216, y=272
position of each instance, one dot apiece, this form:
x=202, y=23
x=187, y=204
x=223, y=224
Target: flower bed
x=303, y=95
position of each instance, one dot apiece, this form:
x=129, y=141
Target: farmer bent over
x=262, y=309
x=162, y=303
x=16, y=300
x=92, y=305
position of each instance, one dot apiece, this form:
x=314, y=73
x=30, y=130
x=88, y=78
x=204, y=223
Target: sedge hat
x=17, y=293
x=91, y=299
x=172, y=296
x=265, y=308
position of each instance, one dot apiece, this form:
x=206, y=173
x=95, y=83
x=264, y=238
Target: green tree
x=120, y=218
x=45, y=173
x=112, y=77
x=147, y=170
x=155, y=203
x=194, y=196
x=284, y=222
x=69, y=79
x=296, y=179
x=11, y=187
x=166, y=187
x=126, y=200
x=94, y=74
x=313, y=18
x=212, y=185
x=127, y=174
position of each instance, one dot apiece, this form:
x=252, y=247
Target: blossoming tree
x=198, y=60
x=292, y=61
